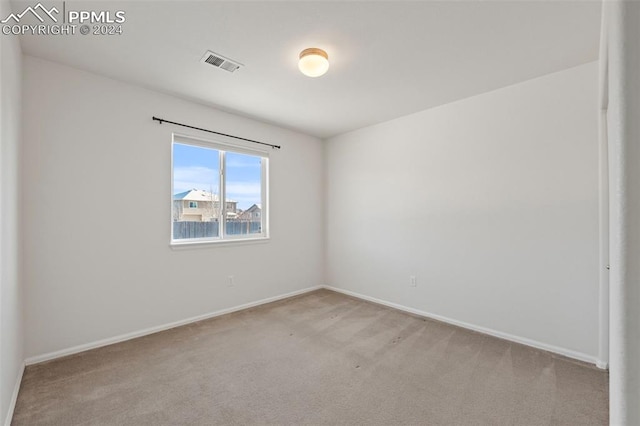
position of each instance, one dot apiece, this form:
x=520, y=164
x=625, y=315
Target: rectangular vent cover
x=220, y=61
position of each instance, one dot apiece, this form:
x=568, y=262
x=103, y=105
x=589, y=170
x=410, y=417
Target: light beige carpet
x=321, y=358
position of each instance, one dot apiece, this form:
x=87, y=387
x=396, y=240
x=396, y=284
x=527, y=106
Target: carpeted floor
x=320, y=358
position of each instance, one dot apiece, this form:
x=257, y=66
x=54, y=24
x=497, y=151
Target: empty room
x=320, y=212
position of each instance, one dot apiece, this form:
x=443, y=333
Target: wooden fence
x=185, y=230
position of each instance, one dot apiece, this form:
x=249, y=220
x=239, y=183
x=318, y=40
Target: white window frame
x=223, y=148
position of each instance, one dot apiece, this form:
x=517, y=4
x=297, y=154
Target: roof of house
x=198, y=195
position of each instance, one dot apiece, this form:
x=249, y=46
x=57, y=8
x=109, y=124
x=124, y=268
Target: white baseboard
x=506, y=336
x=128, y=336
x=14, y=398
x=602, y=365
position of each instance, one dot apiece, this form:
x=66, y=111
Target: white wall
x=11, y=324
x=621, y=33
x=92, y=156
x=492, y=202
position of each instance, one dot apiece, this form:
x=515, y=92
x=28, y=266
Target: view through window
x=204, y=174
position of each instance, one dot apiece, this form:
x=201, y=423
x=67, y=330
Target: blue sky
x=197, y=167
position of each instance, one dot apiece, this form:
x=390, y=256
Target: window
x=205, y=173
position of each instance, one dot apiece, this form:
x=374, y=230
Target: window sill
x=207, y=244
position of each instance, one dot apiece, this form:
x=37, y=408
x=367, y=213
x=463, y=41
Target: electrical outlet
x=412, y=281
x=230, y=281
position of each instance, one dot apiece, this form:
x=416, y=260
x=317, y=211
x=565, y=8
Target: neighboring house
x=198, y=205
x=253, y=213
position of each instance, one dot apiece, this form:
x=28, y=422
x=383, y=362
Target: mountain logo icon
x=38, y=11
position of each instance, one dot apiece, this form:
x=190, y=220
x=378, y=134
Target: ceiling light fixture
x=313, y=62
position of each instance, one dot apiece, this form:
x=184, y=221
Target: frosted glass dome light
x=313, y=62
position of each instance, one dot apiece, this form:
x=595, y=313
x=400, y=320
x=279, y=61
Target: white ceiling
x=388, y=59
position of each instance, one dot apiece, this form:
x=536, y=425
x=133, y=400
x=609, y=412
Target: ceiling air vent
x=220, y=61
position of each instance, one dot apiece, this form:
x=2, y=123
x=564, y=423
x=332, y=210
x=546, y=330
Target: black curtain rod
x=162, y=120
